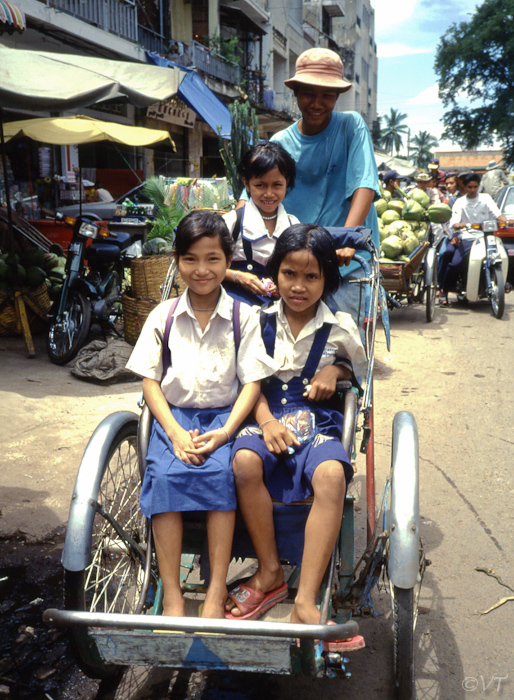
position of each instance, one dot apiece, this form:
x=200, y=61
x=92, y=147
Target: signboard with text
x=173, y=111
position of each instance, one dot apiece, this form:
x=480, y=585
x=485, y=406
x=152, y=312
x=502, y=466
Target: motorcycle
x=485, y=273
x=91, y=293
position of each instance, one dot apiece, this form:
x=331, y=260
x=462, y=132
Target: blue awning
x=195, y=93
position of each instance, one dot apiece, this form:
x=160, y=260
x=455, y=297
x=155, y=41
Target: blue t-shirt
x=330, y=166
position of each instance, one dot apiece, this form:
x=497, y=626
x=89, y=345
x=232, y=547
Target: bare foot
x=264, y=581
x=173, y=605
x=213, y=605
x=306, y=613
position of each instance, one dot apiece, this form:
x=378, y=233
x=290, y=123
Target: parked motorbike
x=91, y=293
x=487, y=266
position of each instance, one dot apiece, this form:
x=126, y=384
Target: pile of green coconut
x=404, y=224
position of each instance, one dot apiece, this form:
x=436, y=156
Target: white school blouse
x=344, y=345
x=255, y=231
x=204, y=371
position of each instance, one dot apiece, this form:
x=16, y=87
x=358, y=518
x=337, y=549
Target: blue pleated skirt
x=171, y=485
x=288, y=477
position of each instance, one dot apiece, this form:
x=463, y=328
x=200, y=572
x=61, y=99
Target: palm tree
x=421, y=149
x=391, y=134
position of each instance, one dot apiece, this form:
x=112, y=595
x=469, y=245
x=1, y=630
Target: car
x=505, y=201
x=106, y=211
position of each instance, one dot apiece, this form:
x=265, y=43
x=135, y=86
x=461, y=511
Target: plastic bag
x=301, y=423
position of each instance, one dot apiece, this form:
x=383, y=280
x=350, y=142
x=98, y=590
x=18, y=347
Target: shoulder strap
x=166, y=337
x=238, y=226
x=268, y=331
x=316, y=351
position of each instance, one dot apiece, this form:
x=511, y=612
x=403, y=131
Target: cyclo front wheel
x=403, y=630
x=68, y=333
x=114, y=537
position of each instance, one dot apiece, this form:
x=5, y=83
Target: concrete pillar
x=195, y=149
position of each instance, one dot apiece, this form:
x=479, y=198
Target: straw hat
x=319, y=67
x=492, y=165
x=422, y=177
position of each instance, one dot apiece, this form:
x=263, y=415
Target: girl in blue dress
x=268, y=173
x=295, y=449
x=201, y=358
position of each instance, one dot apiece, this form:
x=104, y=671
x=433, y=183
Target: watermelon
x=50, y=260
x=11, y=276
x=35, y=275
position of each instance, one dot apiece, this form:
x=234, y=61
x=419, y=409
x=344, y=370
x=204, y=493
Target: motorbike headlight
x=88, y=230
x=489, y=226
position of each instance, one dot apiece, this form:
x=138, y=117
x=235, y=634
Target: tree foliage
x=421, y=149
x=475, y=60
x=391, y=134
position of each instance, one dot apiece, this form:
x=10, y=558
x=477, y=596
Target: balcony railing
x=110, y=15
x=192, y=54
x=150, y=40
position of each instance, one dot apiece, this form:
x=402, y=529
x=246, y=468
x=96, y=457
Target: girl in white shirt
x=268, y=173
x=194, y=355
x=295, y=447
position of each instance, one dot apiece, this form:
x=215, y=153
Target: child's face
x=300, y=282
x=267, y=191
x=204, y=266
x=471, y=189
x=316, y=104
x=451, y=185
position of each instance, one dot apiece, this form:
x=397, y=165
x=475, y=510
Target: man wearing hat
x=390, y=180
x=336, y=174
x=424, y=181
x=493, y=179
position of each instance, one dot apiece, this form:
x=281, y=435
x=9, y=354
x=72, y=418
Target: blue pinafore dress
x=247, y=265
x=288, y=477
x=171, y=485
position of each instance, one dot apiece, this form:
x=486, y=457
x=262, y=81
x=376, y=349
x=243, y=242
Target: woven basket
x=148, y=275
x=38, y=295
x=135, y=313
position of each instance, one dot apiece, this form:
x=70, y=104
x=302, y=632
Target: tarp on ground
x=64, y=131
x=202, y=100
x=44, y=80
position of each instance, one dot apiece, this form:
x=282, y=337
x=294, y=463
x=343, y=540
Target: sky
x=407, y=33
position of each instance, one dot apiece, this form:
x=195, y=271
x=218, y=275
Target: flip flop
x=253, y=603
x=352, y=644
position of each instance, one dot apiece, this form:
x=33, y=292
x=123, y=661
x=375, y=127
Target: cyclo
x=113, y=595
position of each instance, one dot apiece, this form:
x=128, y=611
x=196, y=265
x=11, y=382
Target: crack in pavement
x=471, y=507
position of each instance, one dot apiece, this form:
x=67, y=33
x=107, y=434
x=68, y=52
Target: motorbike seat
x=108, y=249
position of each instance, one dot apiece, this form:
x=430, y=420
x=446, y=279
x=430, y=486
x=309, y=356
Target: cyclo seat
x=289, y=518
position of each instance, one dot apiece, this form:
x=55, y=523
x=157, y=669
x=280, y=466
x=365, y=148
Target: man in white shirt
x=472, y=208
x=102, y=195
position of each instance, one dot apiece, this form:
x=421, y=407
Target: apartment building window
x=200, y=20
x=358, y=21
x=366, y=17
x=326, y=23
x=365, y=71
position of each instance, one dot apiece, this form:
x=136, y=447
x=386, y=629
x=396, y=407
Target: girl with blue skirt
x=294, y=450
x=201, y=357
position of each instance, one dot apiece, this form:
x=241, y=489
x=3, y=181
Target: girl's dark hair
x=198, y=224
x=263, y=157
x=308, y=237
x=471, y=177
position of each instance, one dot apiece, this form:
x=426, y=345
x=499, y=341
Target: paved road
x=456, y=376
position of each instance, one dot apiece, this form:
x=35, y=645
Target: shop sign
x=173, y=111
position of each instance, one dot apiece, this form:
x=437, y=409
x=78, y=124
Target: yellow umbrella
x=65, y=131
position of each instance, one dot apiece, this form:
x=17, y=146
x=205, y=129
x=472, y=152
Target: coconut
x=389, y=216
x=439, y=213
x=410, y=244
x=413, y=211
x=420, y=196
x=395, y=205
x=392, y=246
x=380, y=206
x=399, y=228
